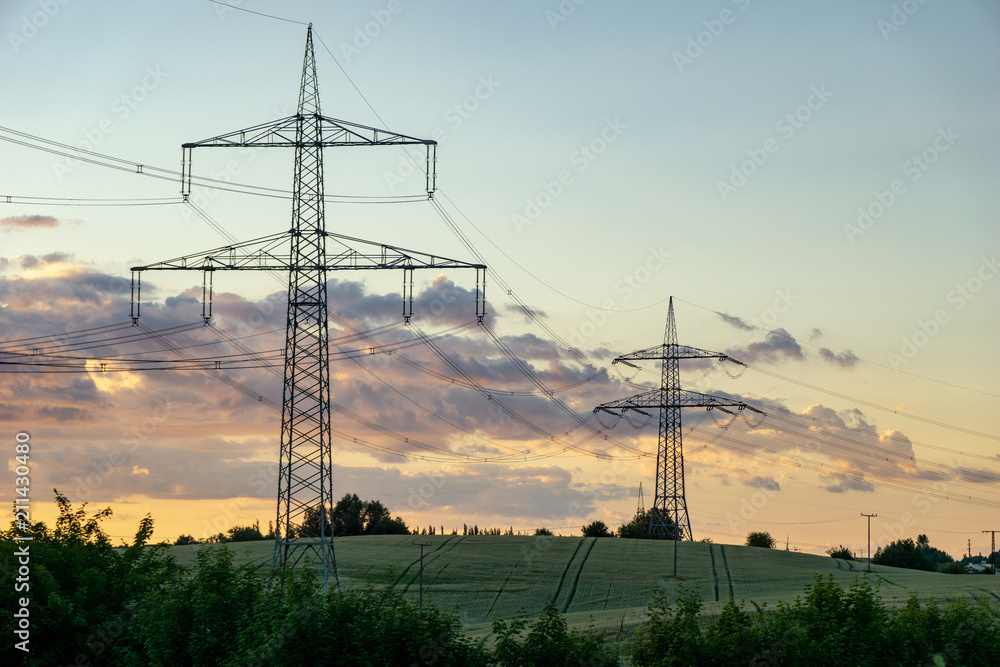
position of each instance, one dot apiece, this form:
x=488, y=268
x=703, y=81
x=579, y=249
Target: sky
x=814, y=183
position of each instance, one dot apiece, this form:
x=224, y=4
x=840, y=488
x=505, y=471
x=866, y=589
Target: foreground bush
x=234, y=615
x=230, y=615
x=80, y=588
x=830, y=626
x=549, y=642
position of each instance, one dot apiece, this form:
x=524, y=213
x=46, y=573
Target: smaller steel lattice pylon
x=669, y=514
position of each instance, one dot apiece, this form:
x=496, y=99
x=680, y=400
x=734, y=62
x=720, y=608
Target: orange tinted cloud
x=21, y=222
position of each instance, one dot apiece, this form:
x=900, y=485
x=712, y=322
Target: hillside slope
x=610, y=580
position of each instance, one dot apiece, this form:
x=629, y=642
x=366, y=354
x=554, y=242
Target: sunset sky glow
x=814, y=184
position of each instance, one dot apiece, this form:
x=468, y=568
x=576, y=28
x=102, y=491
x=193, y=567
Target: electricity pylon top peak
x=671, y=348
x=309, y=88
x=669, y=514
x=320, y=131
x=303, y=531
x=670, y=329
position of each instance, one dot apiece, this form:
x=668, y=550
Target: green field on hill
x=608, y=580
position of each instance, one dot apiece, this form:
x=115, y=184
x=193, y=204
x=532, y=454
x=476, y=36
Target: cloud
x=777, y=346
x=845, y=359
x=853, y=483
x=34, y=262
x=190, y=434
x=977, y=475
x=758, y=482
x=526, y=313
x=22, y=222
x=734, y=321
x=214, y=437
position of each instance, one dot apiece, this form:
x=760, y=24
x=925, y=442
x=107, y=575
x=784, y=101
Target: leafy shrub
x=829, y=626
x=672, y=635
x=549, y=642
x=951, y=568
x=840, y=552
x=82, y=589
x=195, y=620
x=231, y=615
x=545, y=532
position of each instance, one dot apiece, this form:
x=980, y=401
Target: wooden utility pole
x=869, y=539
x=993, y=548
x=422, y=545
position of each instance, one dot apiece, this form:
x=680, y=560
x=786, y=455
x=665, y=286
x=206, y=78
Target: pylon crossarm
x=282, y=132
x=389, y=256
x=660, y=399
x=345, y=133
x=279, y=132
x=261, y=253
x=693, y=399
x=329, y=132
x=650, y=399
x=267, y=254
x=660, y=352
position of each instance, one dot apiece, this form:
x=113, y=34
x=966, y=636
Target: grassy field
x=607, y=580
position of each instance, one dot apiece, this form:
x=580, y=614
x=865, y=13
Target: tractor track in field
x=607, y=596
x=576, y=580
x=499, y=593
x=430, y=558
x=989, y=592
x=725, y=564
x=569, y=562
x=715, y=574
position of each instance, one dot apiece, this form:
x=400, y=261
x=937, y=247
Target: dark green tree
x=638, y=527
x=347, y=515
x=311, y=524
x=379, y=521
x=597, y=529
x=903, y=553
x=245, y=533
x=935, y=555
x=761, y=539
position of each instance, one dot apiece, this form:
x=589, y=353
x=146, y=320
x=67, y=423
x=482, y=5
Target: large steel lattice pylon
x=669, y=513
x=305, y=468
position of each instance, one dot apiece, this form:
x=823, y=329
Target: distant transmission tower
x=669, y=514
x=305, y=468
x=641, y=509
